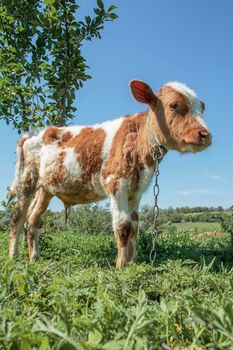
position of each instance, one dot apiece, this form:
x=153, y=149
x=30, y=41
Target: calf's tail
x=12, y=191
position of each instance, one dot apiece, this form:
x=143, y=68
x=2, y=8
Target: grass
x=198, y=227
x=73, y=298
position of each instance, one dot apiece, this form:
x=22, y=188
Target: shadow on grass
x=173, y=248
x=85, y=250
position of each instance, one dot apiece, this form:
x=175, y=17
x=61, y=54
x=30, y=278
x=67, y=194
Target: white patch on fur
x=71, y=164
x=49, y=154
x=188, y=148
x=108, y=179
x=145, y=180
x=18, y=166
x=110, y=129
x=119, y=205
x=201, y=121
x=74, y=129
x=182, y=88
x=192, y=97
x=33, y=144
x=33, y=132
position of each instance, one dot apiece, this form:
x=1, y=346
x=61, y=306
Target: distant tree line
x=188, y=210
x=95, y=219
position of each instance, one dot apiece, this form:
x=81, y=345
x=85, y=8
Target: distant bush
x=85, y=219
x=177, y=215
x=6, y=215
x=227, y=225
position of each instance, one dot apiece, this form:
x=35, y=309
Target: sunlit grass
x=73, y=298
x=199, y=227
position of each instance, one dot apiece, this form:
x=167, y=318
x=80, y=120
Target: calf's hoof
x=34, y=257
x=13, y=256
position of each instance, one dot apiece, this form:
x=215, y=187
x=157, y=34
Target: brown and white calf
x=82, y=164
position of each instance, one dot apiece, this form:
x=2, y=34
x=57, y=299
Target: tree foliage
x=41, y=63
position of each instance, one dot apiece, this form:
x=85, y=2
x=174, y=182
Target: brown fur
x=134, y=216
x=51, y=134
x=88, y=145
x=14, y=220
x=58, y=175
x=21, y=141
x=125, y=240
x=20, y=144
x=129, y=152
x=66, y=136
x=83, y=197
x=123, y=236
x=130, y=251
x=123, y=233
x=112, y=186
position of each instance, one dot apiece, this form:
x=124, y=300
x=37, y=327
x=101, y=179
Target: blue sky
x=160, y=41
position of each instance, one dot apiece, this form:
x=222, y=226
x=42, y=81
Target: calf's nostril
x=203, y=134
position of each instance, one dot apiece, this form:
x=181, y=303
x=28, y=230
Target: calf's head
x=176, y=116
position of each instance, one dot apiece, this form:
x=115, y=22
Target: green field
x=198, y=227
x=73, y=298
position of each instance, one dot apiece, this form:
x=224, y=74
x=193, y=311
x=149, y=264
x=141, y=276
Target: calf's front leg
x=122, y=233
x=122, y=224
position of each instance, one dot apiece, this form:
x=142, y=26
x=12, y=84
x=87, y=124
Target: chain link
x=156, y=190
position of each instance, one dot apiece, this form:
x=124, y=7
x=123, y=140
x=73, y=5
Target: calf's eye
x=202, y=106
x=173, y=105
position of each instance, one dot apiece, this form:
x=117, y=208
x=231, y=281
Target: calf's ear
x=142, y=92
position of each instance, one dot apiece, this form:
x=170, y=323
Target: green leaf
x=49, y=2
x=21, y=290
x=113, y=16
x=44, y=344
x=42, y=99
x=88, y=19
x=100, y=4
x=40, y=63
x=97, y=11
x=112, y=8
x=94, y=338
x=114, y=345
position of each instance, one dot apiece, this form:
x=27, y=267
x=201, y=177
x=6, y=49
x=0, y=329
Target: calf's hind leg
x=30, y=209
x=33, y=221
x=25, y=190
x=17, y=224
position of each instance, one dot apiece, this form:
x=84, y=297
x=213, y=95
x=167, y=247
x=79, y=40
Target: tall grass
x=73, y=298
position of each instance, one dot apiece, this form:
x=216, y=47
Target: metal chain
x=156, y=190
